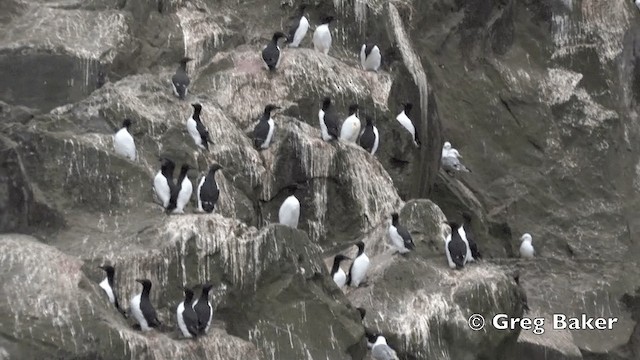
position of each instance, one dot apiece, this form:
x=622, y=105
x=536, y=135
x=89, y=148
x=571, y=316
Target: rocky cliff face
x=539, y=97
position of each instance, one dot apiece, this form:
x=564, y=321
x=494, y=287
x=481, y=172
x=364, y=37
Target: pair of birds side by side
x=175, y=196
x=450, y=160
x=350, y=130
x=193, y=317
x=357, y=271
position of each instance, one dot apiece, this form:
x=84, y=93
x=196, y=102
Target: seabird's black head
x=146, y=284
x=293, y=187
x=269, y=108
x=110, y=270
x=454, y=225
x=340, y=258
x=370, y=121
x=466, y=216
x=188, y=295
x=360, y=246
x=278, y=35
x=197, y=108
x=185, y=168
x=126, y=123
x=372, y=337
x=407, y=108
x=362, y=312
x=206, y=288
x=353, y=108
x=215, y=167
x=185, y=60
x=395, y=217
x=327, y=19
x=326, y=102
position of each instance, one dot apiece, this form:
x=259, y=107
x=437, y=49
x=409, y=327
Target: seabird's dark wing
x=260, y=133
x=472, y=242
x=408, y=241
x=458, y=251
x=203, y=312
x=191, y=321
x=293, y=27
x=149, y=313
x=349, y=273
x=209, y=194
x=367, y=50
x=367, y=139
x=331, y=121
x=270, y=55
x=204, y=134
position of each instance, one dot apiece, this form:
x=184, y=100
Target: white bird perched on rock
x=322, y=36
x=399, y=236
x=451, y=159
x=338, y=275
x=370, y=57
x=298, y=27
x=289, y=213
x=380, y=350
x=526, y=248
x=405, y=121
x=351, y=126
x=359, y=267
x=123, y=141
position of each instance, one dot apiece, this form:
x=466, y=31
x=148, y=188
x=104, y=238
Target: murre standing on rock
x=263, y=132
x=380, y=350
x=180, y=80
x=123, y=141
x=370, y=137
x=196, y=128
x=181, y=192
x=403, y=119
x=526, y=247
x=208, y=191
x=141, y=308
x=455, y=248
x=337, y=273
x=289, y=212
x=328, y=121
x=400, y=238
x=359, y=267
x=108, y=285
x=163, y=182
x=451, y=160
x=322, y=36
x=370, y=57
x=351, y=126
x=203, y=309
x=186, y=316
x=466, y=229
x=298, y=28
x=271, y=52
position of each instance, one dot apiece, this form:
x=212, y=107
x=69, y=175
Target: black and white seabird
x=381, y=350
x=163, y=182
x=271, y=52
x=403, y=119
x=108, y=285
x=263, y=132
x=329, y=123
x=180, y=80
x=181, y=192
x=466, y=229
x=400, y=238
x=196, y=128
x=208, y=191
x=298, y=28
x=187, y=318
x=203, y=309
x=289, y=213
x=370, y=57
x=322, y=36
x=359, y=267
x=350, y=129
x=455, y=248
x=337, y=273
x=526, y=247
x=123, y=141
x=370, y=137
x=142, y=309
